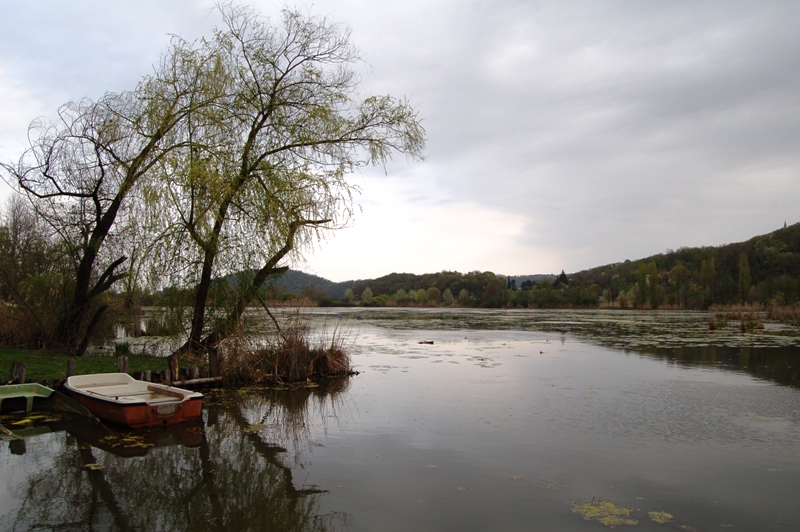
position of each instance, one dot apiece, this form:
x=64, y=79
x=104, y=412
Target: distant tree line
x=764, y=270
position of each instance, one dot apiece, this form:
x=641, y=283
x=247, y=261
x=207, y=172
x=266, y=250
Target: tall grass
x=749, y=316
x=789, y=314
x=291, y=354
x=47, y=366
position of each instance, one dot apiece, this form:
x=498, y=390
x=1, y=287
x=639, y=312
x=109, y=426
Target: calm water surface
x=508, y=421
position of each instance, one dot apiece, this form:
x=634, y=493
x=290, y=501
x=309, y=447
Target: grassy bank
x=48, y=365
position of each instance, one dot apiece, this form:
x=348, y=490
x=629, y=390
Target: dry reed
x=750, y=316
x=289, y=355
x=789, y=314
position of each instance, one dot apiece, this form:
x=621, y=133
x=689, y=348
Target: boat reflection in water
x=232, y=469
x=137, y=442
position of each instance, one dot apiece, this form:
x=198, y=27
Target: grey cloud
x=617, y=128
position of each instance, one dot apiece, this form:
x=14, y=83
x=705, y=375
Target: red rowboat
x=121, y=399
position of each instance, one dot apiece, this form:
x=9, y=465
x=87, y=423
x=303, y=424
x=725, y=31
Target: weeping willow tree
x=82, y=170
x=234, y=154
x=264, y=171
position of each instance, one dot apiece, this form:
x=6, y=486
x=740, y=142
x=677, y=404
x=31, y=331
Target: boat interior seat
x=102, y=385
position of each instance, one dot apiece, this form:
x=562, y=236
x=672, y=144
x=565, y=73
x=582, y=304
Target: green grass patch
x=48, y=364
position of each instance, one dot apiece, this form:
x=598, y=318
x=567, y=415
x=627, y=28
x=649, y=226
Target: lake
x=508, y=420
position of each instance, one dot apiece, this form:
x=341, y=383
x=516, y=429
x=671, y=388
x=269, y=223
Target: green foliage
x=297, y=282
x=402, y=297
x=654, y=285
x=366, y=295
x=33, y=281
x=447, y=298
x=50, y=364
x=381, y=300
x=122, y=348
x=708, y=279
x=421, y=296
x=464, y=297
x=678, y=274
x=264, y=171
x=170, y=313
x=762, y=270
x=744, y=277
x=493, y=292
x=641, y=284
x=434, y=295
x=614, y=288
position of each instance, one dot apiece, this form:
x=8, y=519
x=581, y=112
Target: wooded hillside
x=764, y=269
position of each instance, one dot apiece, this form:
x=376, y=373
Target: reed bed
x=789, y=314
x=292, y=354
x=750, y=316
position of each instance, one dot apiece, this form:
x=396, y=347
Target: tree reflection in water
x=235, y=479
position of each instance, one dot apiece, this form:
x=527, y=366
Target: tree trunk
x=68, y=330
x=199, y=310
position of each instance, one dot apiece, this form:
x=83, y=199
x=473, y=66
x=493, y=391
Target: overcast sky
x=561, y=135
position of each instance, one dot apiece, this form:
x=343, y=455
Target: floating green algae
x=126, y=441
x=549, y=484
x=660, y=517
x=605, y=512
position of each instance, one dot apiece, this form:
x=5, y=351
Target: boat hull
x=120, y=399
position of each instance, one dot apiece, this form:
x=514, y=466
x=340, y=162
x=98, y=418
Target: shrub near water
x=288, y=356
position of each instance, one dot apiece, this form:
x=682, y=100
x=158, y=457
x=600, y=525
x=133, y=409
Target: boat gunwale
x=156, y=389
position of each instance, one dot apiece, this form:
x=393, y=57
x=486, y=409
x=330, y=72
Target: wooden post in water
x=71, y=367
x=18, y=373
x=172, y=360
x=122, y=364
x=193, y=373
x=146, y=376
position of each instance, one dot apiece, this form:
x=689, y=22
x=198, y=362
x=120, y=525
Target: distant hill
x=297, y=282
x=538, y=278
x=714, y=274
x=689, y=277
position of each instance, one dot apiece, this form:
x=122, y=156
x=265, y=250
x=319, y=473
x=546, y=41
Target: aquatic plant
x=660, y=517
x=290, y=354
x=789, y=314
x=605, y=512
x=122, y=348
